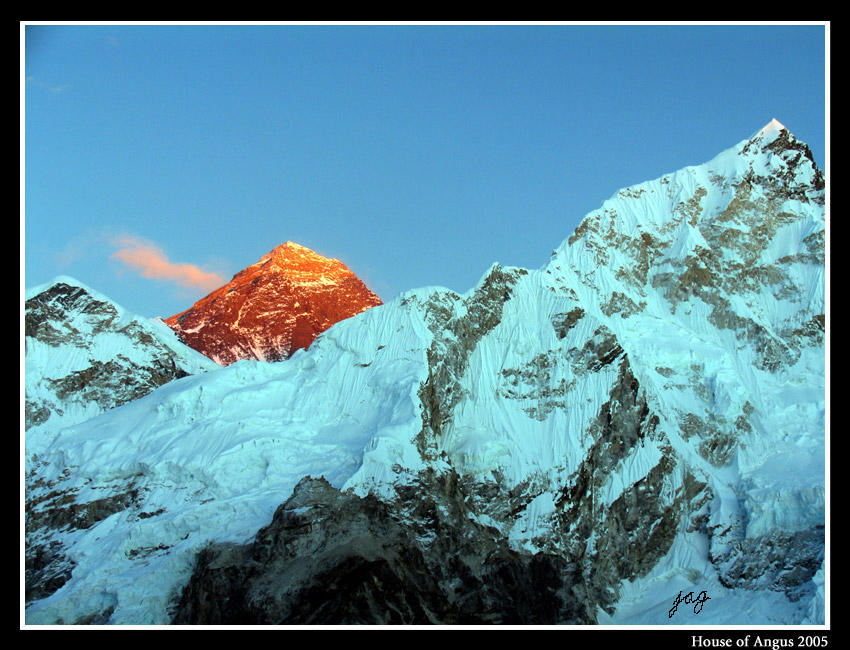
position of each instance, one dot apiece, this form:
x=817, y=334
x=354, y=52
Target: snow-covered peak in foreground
x=31, y=292
x=85, y=354
x=642, y=416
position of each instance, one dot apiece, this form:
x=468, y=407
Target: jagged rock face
x=269, y=310
x=85, y=355
x=728, y=256
x=574, y=444
x=334, y=558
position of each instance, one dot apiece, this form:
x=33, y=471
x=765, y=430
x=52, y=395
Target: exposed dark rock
x=146, y=515
x=625, y=539
x=53, y=303
x=46, y=569
x=563, y=323
x=533, y=382
x=35, y=414
x=335, y=558
x=59, y=509
x=145, y=551
x=620, y=303
x=454, y=340
x=116, y=382
x=598, y=351
x=778, y=561
x=98, y=618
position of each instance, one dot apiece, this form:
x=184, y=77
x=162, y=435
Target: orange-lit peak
x=291, y=247
x=291, y=256
x=273, y=307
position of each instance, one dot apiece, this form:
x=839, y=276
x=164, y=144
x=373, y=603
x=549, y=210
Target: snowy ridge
x=646, y=412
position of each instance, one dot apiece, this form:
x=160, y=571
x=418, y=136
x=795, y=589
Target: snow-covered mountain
x=85, y=354
x=641, y=418
x=273, y=307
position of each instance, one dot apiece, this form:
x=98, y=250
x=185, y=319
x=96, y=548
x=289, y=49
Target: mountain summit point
x=772, y=127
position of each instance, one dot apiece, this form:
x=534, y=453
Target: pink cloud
x=151, y=262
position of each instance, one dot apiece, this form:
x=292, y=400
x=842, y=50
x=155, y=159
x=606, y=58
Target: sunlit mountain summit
x=273, y=307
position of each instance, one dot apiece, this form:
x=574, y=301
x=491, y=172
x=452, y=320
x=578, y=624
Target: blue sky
x=418, y=155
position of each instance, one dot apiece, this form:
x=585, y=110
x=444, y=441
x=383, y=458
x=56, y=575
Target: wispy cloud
x=53, y=88
x=149, y=260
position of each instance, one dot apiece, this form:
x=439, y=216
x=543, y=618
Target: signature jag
x=689, y=598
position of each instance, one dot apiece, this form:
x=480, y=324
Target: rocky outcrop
x=779, y=561
x=334, y=558
x=54, y=508
x=457, y=329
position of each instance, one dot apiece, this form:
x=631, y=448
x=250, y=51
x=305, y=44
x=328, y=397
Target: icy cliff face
x=273, y=307
x=641, y=417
